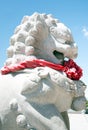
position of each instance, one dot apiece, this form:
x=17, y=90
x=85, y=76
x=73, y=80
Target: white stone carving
x=37, y=99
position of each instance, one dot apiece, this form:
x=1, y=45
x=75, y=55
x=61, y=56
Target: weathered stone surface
x=37, y=99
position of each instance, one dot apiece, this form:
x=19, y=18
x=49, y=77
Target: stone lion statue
x=34, y=95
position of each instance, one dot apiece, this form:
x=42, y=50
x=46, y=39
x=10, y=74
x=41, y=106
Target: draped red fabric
x=72, y=70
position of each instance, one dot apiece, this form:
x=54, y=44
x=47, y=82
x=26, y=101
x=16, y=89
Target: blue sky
x=73, y=13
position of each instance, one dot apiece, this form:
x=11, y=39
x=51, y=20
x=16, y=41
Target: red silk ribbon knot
x=72, y=70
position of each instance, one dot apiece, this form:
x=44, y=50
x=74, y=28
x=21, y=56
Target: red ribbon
x=72, y=70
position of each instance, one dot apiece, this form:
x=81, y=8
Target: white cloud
x=85, y=31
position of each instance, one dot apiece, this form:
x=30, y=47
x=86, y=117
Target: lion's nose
x=75, y=55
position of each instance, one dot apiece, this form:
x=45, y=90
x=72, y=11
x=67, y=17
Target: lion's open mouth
x=59, y=56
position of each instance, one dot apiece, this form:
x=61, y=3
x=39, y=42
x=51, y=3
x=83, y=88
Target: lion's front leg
x=38, y=120
x=66, y=119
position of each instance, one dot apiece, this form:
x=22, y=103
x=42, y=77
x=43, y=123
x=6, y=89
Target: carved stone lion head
x=41, y=36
